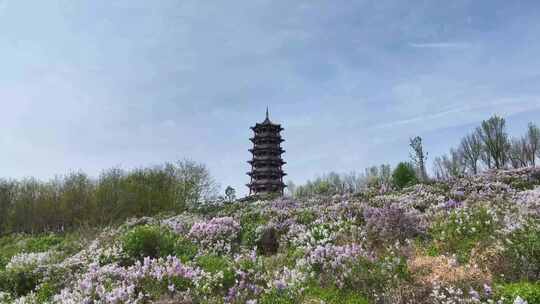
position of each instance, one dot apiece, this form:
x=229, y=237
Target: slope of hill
x=470, y=240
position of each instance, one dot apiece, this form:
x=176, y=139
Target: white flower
x=519, y=300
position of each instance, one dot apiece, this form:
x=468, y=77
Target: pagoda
x=266, y=165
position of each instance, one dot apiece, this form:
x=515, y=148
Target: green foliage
x=43, y=243
x=278, y=297
x=404, y=175
x=14, y=244
x=522, y=249
x=371, y=277
x=20, y=281
x=149, y=241
x=334, y=295
x=156, y=289
x=462, y=230
x=526, y=290
x=45, y=292
x=249, y=222
x=215, y=264
x=76, y=200
x=306, y=217
x=184, y=249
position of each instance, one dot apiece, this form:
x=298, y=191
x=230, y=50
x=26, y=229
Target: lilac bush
x=387, y=246
x=115, y=284
x=393, y=222
x=218, y=234
x=332, y=264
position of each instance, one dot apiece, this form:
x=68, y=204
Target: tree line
x=489, y=147
x=73, y=200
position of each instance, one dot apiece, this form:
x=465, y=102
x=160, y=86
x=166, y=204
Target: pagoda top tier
x=267, y=124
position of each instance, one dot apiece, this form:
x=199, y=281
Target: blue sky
x=94, y=84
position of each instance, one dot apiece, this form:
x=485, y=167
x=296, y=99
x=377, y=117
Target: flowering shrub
x=218, y=234
x=220, y=267
x=180, y=224
x=250, y=279
x=522, y=292
x=114, y=284
x=29, y=260
x=392, y=222
x=463, y=229
x=467, y=240
x=522, y=251
x=24, y=272
x=332, y=264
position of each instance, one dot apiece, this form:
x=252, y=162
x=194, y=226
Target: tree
x=533, y=142
x=404, y=175
x=7, y=191
x=471, y=149
x=290, y=189
x=518, y=152
x=418, y=157
x=194, y=183
x=449, y=166
x=495, y=140
x=230, y=193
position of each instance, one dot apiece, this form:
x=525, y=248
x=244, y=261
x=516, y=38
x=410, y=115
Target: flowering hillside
x=470, y=240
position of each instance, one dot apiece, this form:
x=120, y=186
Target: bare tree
x=519, y=152
x=449, y=166
x=495, y=141
x=471, y=149
x=439, y=169
x=533, y=143
x=290, y=189
x=418, y=157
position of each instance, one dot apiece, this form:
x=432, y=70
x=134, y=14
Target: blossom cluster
x=30, y=260
x=217, y=234
x=112, y=283
x=334, y=262
x=445, y=242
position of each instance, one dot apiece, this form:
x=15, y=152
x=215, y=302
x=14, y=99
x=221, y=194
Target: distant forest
x=76, y=200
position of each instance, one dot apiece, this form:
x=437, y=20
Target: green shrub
x=45, y=292
x=278, y=297
x=17, y=243
x=19, y=282
x=149, y=241
x=156, y=289
x=333, y=295
x=527, y=291
x=43, y=243
x=306, y=217
x=215, y=264
x=462, y=230
x=249, y=222
x=404, y=175
x=184, y=249
x=522, y=251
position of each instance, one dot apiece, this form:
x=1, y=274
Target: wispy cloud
x=441, y=45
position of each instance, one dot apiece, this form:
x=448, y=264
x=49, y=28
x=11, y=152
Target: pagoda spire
x=267, y=120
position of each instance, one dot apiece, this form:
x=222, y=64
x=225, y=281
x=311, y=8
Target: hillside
x=470, y=240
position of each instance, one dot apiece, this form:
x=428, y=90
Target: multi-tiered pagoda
x=267, y=165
